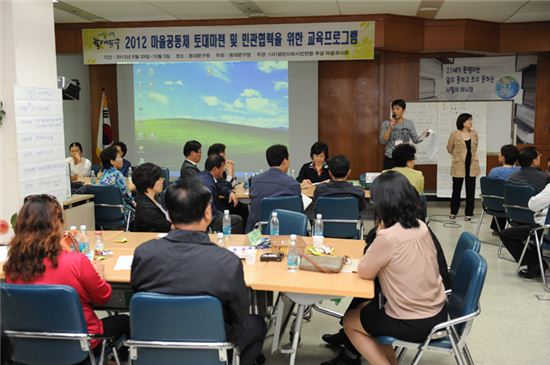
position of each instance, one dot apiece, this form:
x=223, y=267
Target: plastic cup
x=318, y=241
x=250, y=256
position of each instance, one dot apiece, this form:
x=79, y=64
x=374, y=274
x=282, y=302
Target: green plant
x=13, y=219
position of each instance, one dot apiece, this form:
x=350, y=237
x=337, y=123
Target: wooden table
x=241, y=194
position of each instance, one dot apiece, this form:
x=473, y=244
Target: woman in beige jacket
x=462, y=146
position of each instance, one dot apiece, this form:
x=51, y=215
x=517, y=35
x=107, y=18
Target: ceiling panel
x=61, y=16
x=122, y=10
x=219, y=9
x=298, y=8
x=489, y=10
x=348, y=7
x=534, y=11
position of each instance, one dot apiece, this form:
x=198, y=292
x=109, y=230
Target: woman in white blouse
x=80, y=166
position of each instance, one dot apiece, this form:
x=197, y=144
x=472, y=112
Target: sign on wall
x=290, y=42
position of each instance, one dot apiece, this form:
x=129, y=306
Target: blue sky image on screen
x=241, y=104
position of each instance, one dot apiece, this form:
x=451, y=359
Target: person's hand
x=134, y=204
x=393, y=122
x=306, y=183
x=233, y=198
x=74, y=177
x=99, y=267
x=230, y=167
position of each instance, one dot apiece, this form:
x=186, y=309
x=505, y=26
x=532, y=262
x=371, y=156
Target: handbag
x=324, y=264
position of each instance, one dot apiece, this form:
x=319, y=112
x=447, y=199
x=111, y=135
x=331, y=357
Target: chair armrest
x=454, y=322
x=260, y=224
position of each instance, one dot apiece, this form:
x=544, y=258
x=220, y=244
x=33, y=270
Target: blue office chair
x=46, y=325
x=165, y=173
x=462, y=306
x=516, y=205
x=291, y=222
x=341, y=218
x=269, y=204
x=109, y=207
x=466, y=241
x=168, y=329
x=541, y=243
x=96, y=169
x=492, y=197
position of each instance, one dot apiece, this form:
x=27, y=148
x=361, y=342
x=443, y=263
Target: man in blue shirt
x=507, y=158
x=273, y=182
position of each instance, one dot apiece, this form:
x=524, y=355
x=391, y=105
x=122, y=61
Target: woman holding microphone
x=462, y=146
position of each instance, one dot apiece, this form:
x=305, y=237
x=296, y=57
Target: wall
x=76, y=113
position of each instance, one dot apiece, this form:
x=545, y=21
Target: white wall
x=76, y=113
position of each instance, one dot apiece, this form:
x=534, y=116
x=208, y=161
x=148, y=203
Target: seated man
x=273, y=182
x=229, y=171
x=210, y=177
x=507, y=159
x=529, y=174
x=514, y=237
x=403, y=157
x=339, y=170
x=193, y=153
x=186, y=262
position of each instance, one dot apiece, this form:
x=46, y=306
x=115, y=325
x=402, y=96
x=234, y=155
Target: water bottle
x=246, y=185
x=221, y=240
x=73, y=232
x=261, y=171
x=141, y=161
x=84, y=243
x=274, y=225
x=293, y=173
x=293, y=255
x=98, y=243
x=318, y=226
x=130, y=174
x=92, y=178
x=226, y=223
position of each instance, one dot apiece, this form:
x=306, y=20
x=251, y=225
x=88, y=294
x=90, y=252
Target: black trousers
x=388, y=163
x=251, y=338
x=470, y=193
x=514, y=238
x=501, y=224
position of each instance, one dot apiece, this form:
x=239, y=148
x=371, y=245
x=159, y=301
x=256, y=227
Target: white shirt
x=84, y=168
x=539, y=204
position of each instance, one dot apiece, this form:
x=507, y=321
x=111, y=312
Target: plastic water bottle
x=246, y=185
x=84, y=243
x=141, y=161
x=318, y=226
x=274, y=225
x=221, y=240
x=73, y=232
x=293, y=255
x=98, y=243
x=261, y=171
x=130, y=174
x=92, y=178
x=293, y=173
x=226, y=223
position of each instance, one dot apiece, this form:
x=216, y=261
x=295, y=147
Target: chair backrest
x=342, y=208
x=516, y=199
x=269, y=204
x=423, y=201
x=108, y=206
x=165, y=173
x=466, y=241
x=467, y=286
x=160, y=317
x=492, y=194
x=291, y=222
x=96, y=169
x=43, y=308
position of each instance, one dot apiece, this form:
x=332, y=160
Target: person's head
x=338, y=167
x=277, y=156
x=217, y=149
x=75, y=149
x=464, y=121
x=188, y=203
x=398, y=107
x=395, y=200
x=215, y=164
x=192, y=151
x=111, y=157
x=529, y=157
x=319, y=152
x=38, y=233
x=121, y=147
x=404, y=155
x=509, y=154
x=148, y=178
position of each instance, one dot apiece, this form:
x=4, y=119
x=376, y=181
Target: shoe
x=529, y=273
x=337, y=339
x=260, y=359
x=343, y=359
x=452, y=216
x=468, y=218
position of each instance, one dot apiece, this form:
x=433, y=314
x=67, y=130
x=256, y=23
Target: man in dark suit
x=339, y=170
x=186, y=262
x=193, y=153
x=273, y=182
x=212, y=177
x=529, y=174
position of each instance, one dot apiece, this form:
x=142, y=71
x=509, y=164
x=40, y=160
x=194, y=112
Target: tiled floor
x=513, y=328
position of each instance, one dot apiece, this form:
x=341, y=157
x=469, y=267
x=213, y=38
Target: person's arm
x=385, y=133
x=99, y=290
x=451, y=144
x=120, y=181
x=421, y=184
x=302, y=173
x=154, y=217
x=540, y=201
x=87, y=169
x=238, y=303
x=377, y=256
x=414, y=136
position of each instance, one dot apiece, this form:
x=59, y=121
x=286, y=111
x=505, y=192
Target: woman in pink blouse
x=404, y=258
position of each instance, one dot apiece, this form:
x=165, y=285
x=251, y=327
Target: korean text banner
x=293, y=42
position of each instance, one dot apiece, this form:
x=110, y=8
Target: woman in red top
x=36, y=256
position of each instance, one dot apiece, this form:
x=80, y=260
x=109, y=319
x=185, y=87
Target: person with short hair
x=403, y=157
x=507, y=159
x=111, y=158
x=462, y=146
x=529, y=173
x=338, y=186
x=229, y=172
x=187, y=262
x=121, y=147
x=193, y=154
x=80, y=166
x=315, y=171
x=214, y=168
x=150, y=214
x=273, y=182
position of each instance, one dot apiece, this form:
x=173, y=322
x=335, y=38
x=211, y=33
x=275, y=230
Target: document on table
x=351, y=267
x=124, y=263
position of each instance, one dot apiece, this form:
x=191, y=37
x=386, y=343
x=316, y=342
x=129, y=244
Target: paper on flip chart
x=124, y=263
x=432, y=146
